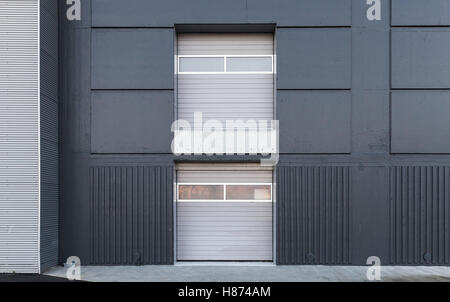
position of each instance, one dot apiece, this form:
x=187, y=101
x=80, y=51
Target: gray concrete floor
x=253, y=273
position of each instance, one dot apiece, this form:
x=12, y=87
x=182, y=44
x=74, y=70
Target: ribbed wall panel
x=313, y=215
x=49, y=134
x=19, y=136
x=420, y=215
x=131, y=215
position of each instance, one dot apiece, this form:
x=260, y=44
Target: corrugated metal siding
x=49, y=134
x=224, y=230
x=420, y=215
x=131, y=215
x=19, y=133
x=225, y=96
x=313, y=215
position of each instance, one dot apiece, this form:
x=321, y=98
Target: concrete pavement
x=253, y=273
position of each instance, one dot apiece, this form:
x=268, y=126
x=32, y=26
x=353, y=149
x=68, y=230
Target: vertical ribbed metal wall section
x=313, y=215
x=19, y=136
x=49, y=133
x=131, y=215
x=420, y=215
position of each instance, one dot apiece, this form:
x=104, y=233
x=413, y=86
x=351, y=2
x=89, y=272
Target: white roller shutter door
x=224, y=229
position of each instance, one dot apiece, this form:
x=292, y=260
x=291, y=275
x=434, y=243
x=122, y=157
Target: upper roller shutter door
x=232, y=80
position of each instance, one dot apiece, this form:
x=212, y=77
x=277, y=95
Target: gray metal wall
x=357, y=100
x=314, y=215
x=419, y=199
x=19, y=136
x=49, y=134
x=130, y=215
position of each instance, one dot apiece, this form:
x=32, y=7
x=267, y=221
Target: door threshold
x=222, y=263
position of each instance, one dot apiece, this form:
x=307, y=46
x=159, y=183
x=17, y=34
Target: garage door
x=225, y=76
x=224, y=212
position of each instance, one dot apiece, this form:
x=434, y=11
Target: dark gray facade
x=130, y=216
x=365, y=153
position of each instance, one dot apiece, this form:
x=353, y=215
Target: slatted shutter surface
x=224, y=230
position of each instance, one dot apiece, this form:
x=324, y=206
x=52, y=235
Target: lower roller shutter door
x=235, y=224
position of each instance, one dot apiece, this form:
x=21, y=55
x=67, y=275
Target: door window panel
x=201, y=64
x=249, y=64
x=200, y=192
x=248, y=192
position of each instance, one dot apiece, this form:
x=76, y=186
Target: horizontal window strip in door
x=225, y=64
x=224, y=192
